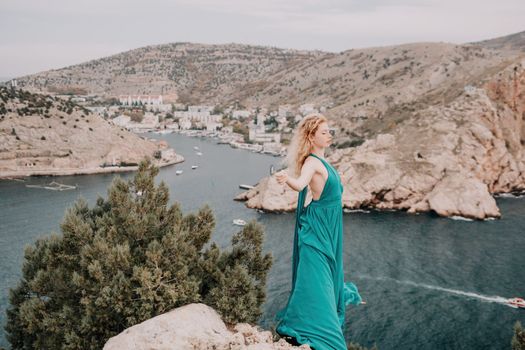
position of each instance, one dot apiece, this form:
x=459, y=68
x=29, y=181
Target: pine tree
x=127, y=259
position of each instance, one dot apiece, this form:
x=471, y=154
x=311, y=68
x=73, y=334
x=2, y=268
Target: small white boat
x=199, y=153
x=194, y=167
x=347, y=210
x=55, y=186
x=239, y=222
x=178, y=172
x=15, y=179
x=196, y=148
x=516, y=302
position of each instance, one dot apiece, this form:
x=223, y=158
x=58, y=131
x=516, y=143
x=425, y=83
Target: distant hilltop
x=512, y=42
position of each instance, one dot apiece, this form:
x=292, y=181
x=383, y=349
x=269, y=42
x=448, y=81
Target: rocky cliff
x=448, y=158
x=43, y=135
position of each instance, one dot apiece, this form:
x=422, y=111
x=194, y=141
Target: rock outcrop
x=43, y=135
x=449, y=158
x=195, y=326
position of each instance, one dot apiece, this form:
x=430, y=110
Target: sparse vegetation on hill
x=367, y=90
x=42, y=134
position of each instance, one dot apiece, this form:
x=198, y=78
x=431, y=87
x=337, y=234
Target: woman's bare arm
x=298, y=184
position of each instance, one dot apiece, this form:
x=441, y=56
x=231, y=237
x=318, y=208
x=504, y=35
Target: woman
x=315, y=312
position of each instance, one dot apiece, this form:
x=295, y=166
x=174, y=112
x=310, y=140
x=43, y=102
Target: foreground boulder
x=194, y=326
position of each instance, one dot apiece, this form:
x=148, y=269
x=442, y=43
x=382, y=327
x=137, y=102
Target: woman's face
x=322, y=137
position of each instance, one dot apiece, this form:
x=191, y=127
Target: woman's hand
x=281, y=176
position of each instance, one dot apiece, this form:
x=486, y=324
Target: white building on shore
x=148, y=100
x=184, y=123
x=240, y=114
x=213, y=126
x=199, y=109
x=256, y=133
x=275, y=148
x=166, y=107
x=307, y=108
x=285, y=111
x=198, y=116
x=97, y=110
x=282, y=122
x=267, y=137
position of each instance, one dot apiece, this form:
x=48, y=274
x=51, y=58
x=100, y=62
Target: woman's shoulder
x=312, y=161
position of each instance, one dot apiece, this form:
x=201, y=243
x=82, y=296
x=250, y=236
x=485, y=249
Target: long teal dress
x=315, y=311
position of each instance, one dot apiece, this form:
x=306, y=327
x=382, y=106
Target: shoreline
x=82, y=171
x=224, y=139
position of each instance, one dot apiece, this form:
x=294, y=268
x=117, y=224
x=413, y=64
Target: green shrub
x=127, y=259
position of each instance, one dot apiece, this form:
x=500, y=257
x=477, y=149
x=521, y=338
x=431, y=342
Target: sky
x=41, y=35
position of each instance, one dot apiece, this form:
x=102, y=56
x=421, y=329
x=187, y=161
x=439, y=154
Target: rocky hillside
x=191, y=73
x=43, y=135
x=367, y=91
x=448, y=158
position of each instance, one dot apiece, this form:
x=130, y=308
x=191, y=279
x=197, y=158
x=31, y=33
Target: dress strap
x=311, y=154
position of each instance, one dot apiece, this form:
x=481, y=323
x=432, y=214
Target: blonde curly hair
x=300, y=145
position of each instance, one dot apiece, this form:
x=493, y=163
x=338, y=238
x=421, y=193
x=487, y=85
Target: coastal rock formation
x=449, y=158
x=268, y=195
x=195, y=326
x=43, y=135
